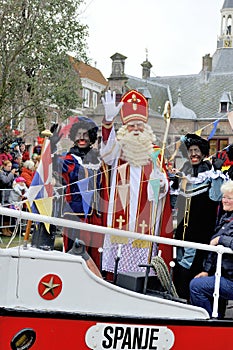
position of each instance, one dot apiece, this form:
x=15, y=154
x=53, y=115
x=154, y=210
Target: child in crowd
x=28, y=171
x=18, y=193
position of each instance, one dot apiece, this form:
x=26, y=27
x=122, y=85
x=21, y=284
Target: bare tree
x=35, y=70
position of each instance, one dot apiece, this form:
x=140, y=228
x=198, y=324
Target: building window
x=218, y=145
x=86, y=98
x=223, y=107
x=94, y=99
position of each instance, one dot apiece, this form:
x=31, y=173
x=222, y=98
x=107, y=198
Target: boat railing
x=219, y=250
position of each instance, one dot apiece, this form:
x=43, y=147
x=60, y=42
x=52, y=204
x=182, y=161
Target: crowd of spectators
x=17, y=168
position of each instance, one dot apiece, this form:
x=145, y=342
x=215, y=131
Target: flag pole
x=167, y=117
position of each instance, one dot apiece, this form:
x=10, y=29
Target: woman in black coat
x=202, y=286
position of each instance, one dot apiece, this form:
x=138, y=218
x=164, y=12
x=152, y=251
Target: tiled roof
x=179, y=111
x=86, y=71
x=199, y=92
x=228, y=4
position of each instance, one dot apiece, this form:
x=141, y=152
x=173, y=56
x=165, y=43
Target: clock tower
x=225, y=39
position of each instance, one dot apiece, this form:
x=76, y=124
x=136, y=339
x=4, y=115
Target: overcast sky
x=176, y=33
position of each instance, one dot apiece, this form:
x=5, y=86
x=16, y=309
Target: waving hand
x=110, y=108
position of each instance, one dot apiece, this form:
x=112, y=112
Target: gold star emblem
x=50, y=286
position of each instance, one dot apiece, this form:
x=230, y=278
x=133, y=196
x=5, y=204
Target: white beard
x=136, y=149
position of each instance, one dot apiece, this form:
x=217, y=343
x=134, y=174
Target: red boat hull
x=69, y=331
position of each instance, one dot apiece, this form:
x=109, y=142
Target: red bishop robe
x=129, y=208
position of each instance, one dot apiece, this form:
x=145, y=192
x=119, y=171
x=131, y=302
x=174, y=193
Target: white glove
x=110, y=108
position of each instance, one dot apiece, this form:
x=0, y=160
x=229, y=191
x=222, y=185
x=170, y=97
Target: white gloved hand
x=110, y=108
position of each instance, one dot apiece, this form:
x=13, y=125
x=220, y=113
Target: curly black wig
x=193, y=139
x=84, y=123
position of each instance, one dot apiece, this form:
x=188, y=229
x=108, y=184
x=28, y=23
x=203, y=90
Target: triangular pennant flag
x=123, y=193
x=154, y=155
x=122, y=171
x=198, y=132
x=43, y=205
x=215, y=123
x=230, y=119
x=86, y=195
x=155, y=184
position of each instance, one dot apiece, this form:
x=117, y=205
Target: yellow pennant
x=198, y=132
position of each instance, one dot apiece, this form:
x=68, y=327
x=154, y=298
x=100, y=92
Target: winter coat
x=18, y=193
x=225, y=231
x=28, y=175
x=6, y=181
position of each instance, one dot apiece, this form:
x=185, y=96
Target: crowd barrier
x=11, y=222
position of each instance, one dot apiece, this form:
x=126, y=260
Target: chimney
x=207, y=63
x=146, y=67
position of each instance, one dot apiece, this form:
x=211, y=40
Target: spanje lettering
x=130, y=338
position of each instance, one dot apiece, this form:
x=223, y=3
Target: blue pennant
x=215, y=123
x=86, y=195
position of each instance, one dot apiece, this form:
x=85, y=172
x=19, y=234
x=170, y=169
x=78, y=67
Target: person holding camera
x=7, y=176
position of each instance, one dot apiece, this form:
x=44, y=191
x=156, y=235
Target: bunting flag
x=154, y=156
x=215, y=123
x=198, y=132
x=155, y=183
x=122, y=171
x=86, y=194
x=40, y=192
x=123, y=189
x=123, y=194
x=230, y=119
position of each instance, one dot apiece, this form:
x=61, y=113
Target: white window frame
x=95, y=99
x=86, y=98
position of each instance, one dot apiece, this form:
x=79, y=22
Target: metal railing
x=9, y=221
x=219, y=250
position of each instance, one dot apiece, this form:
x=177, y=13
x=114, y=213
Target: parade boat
x=52, y=300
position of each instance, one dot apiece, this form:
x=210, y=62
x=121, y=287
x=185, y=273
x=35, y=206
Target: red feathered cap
x=135, y=107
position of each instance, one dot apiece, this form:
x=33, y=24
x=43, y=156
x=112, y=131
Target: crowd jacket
x=28, y=175
x=6, y=182
x=225, y=231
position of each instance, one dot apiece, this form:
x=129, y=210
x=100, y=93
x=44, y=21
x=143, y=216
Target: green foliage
x=35, y=71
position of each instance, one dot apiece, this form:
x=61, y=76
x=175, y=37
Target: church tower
x=222, y=61
x=225, y=40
